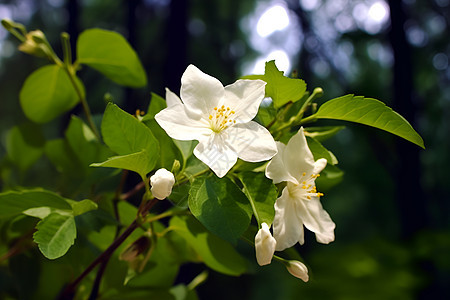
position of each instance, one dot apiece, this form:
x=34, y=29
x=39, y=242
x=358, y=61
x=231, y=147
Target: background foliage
x=391, y=210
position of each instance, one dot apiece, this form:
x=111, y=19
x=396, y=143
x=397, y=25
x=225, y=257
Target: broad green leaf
x=63, y=158
x=262, y=194
x=220, y=206
x=319, y=151
x=186, y=149
x=215, y=252
x=266, y=114
x=280, y=88
x=157, y=103
x=370, y=112
x=47, y=93
x=138, y=162
x=109, y=53
x=25, y=144
x=55, y=234
x=14, y=203
x=83, y=206
x=322, y=133
x=124, y=134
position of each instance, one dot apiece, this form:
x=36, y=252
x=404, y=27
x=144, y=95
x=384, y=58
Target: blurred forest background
x=392, y=208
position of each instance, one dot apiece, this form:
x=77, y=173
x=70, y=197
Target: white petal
x=172, y=99
x=276, y=168
x=297, y=157
x=287, y=227
x=319, y=165
x=244, y=97
x=179, y=125
x=316, y=219
x=215, y=153
x=200, y=92
x=251, y=141
x=264, y=245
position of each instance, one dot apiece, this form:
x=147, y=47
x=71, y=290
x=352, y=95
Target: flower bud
x=162, y=182
x=298, y=269
x=34, y=44
x=264, y=245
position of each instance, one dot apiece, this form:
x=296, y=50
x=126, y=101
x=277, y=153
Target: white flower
x=162, y=182
x=219, y=118
x=264, y=245
x=298, y=269
x=299, y=203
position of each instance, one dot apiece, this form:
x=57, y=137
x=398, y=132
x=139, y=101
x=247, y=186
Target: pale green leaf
x=220, y=206
x=138, y=162
x=261, y=194
x=370, y=112
x=47, y=93
x=55, y=235
x=109, y=53
x=216, y=253
x=83, y=206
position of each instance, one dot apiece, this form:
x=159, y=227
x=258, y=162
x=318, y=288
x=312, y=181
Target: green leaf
x=216, y=253
x=25, y=144
x=63, y=158
x=329, y=177
x=55, y=234
x=322, y=133
x=220, y=206
x=266, y=114
x=14, y=203
x=319, y=151
x=83, y=206
x=109, y=53
x=370, y=112
x=138, y=162
x=262, y=194
x=47, y=93
x=280, y=88
x=124, y=134
x=157, y=103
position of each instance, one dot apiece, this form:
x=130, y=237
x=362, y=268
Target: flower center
x=221, y=118
x=306, y=189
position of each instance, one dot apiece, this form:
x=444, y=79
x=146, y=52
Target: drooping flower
x=162, y=182
x=219, y=118
x=299, y=203
x=264, y=245
x=297, y=269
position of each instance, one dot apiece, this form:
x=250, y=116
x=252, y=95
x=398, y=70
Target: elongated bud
x=162, y=182
x=35, y=44
x=264, y=245
x=297, y=269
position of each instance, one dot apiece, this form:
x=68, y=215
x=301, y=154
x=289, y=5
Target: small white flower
x=162, y=182
x=298, y=269
x=219, y=118
x=264, y=245
x=299, y=203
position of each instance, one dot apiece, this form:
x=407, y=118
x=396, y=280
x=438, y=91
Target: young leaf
x=370, y=112
x=55, y=234
x=83, y=206
x=25, y=144
x=14, y=203
x=109, y=53
x=322, y=133
x=220, y=206
x=138, y=162
x=47, y=93
x=261, y=193
x=215, y=252
x=280, y=88
x=124, y=134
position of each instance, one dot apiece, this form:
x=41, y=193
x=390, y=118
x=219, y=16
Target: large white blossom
x=299, y=203
x=264, y=245
x=219, y=118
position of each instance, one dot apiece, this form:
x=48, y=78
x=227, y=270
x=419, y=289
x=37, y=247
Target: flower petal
x=276, y=168
x=200, y=92
x=179, y=125
x=251, y=141
x=287, y=226
x=244, y=97
x=319, y=165
x=172, y=99
x=297, y=157
x=215, y=153
x=316, y=219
